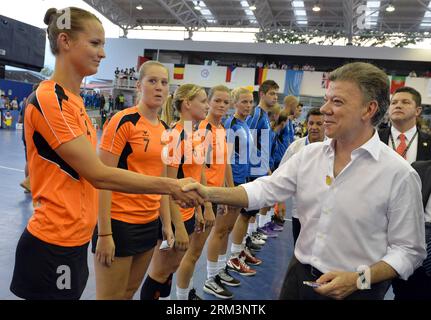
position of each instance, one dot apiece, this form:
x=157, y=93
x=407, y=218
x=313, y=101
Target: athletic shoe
x=250, y=258
x=193, y=295
x=274, y=226
x=227, y=279
x=260, y=235
x=251, y=245
x=216, y=288
x=26, y=185
x=257, y=240
x=268, y=231
x=238, y=265
x=277, y=220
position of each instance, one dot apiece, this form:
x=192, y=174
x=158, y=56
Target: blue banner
x=293, y=82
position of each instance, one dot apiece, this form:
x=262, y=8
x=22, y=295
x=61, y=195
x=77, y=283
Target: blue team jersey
x=259, y=121
x=238, y=134
x=281, y=141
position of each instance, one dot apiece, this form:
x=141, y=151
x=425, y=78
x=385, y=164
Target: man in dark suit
x=418, y=286
x=403, y=135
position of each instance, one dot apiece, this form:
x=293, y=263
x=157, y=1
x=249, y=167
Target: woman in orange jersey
x=51, y=255
x=128, y=225
x=217, y=172
x=186, y=160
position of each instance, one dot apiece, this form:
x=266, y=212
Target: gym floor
x=16, y=209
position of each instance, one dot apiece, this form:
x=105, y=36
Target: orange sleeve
x=60, y=115
x=115, y=135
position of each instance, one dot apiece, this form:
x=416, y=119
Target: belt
x=313, y=271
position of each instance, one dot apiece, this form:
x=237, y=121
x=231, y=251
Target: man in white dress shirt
x=359, y=203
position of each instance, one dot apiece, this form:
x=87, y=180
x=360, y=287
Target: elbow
x=98, y=179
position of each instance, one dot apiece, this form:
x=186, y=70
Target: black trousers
x=296, y=229
x=417, y=286
x=294, y=289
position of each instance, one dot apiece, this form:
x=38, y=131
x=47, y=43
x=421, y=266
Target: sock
x=251, y=228
x=262, y=221
x=269, y=216
x=236, y=249
x=212, y=269
x=182, y=294
x=221, y=263
x=190, y=284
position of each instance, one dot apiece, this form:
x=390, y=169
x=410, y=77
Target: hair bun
x=48, y=15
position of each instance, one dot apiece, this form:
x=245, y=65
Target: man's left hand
x=337, y=285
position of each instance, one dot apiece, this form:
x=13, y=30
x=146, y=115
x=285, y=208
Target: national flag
x=229, y=73
x=325, y=80
x=292, y=85
x=141, y=60
x=179, y=71
x=397, y=82
x=260, y=75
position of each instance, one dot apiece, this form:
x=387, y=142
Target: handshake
x=188, y=193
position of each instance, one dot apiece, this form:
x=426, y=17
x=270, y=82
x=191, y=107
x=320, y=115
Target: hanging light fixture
x=316, y=7
x=390, y=7
x=252, y=7
x=140, y=7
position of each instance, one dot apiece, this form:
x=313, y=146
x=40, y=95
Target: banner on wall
x=397, y=82
x=205, y=73
x=260, y=75
x=429, y=88
x=292, y=85
x=179, y=71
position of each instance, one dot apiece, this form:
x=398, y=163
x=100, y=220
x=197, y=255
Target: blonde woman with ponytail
x=65, y=170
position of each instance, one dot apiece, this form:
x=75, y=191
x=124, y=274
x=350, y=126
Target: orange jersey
x=186, y=154
x=139, y=145
x=216, y=158
x=65, y=204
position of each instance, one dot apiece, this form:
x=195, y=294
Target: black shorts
x=44, y=271
x=189, y=224
x=251, y=213
x=131, y=239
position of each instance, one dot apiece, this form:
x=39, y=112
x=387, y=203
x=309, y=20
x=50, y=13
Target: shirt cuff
x=402, y=264
x=252, y=191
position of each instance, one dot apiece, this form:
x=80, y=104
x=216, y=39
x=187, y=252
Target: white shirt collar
x=409, y=133
x=372, y=146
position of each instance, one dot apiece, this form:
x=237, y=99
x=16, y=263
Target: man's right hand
x=189, y=198
x=197, y=187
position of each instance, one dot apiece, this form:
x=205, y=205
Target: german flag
x=179, y=71
x=260, y=75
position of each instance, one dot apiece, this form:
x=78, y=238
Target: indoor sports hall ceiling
x=346, y=17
